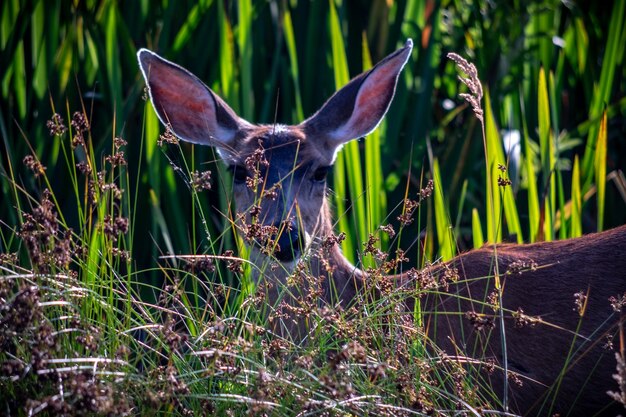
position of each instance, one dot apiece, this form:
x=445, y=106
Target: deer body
x=279, y=175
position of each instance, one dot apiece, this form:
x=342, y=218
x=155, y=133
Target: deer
x=293, y=161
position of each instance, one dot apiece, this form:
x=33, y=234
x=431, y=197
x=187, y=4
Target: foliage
x=88, y=212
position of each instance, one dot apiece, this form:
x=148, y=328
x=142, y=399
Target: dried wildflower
x=490, y=365
x=114, y=227
x=84, y=168
x=90, y=338
x=278, y=348
x=391, y=264
x=427, y=191
x=117, y=159
x=376, y=372
x=56, y=125
x=91, y=192
x=8, y=259
x=46, y=245
x=61, y=254
x=124, y=255
x=406, y=218
x=172, y=339
x=450, y=275
x=504, y=182
x=118, y=142
x=401, y=256
x=201, y=181
x=12, y=368
x=20, y=313
x=523, y=320
x=80, y=125
x=580, y=301
x=480, y=322
x=304, y=361
x=79, y=122
x=104, y=186
x=494, y=300
x=352, y=351
x=123, y=352
x=472, y=82
x=520, y=265
x=620, y=377
x=272, y=192
x=199, y=264
x=34, y=165
x=253, y=164
x=78, y=140
x=254, y=212
x=233, y=264
x=257, y=159
x=425, y=278
x=167, y=137
x=263, y=235
x=370, y=248
x=332, y=240
x=608, y=343
x=515, y=379
x=618, y=303
x=389, y=230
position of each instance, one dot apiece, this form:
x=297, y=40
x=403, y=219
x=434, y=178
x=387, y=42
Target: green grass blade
x=374, y=178
x=503, y=196
x=293, y=64
x=600, y=169
x=477, y=230
x=194, y=18
x=112, y=59
x=613, y=51
x=462, y=198
x=576, y=227
x=442, y=222
x=546, y=154
x=494, y=202
x=350, y=167
x=244, y=40
x=531, y=180
x=227, y=61
x=39, y=51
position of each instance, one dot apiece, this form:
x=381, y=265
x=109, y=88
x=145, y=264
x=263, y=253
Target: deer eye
x=320, y=174
x=239, y=172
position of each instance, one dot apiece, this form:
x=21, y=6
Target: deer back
x=558, y=319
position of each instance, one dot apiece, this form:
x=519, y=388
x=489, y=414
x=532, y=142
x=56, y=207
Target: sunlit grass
x=109, y=310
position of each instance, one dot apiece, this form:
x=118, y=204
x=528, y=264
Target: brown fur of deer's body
x=594, y=265
x=293, y=161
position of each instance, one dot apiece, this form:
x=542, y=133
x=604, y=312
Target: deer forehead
x=284, y=148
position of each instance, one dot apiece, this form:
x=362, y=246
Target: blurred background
x=550, y=71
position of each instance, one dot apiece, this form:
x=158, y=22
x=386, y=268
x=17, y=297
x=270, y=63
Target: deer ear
x=356, y=109
x=181, y=100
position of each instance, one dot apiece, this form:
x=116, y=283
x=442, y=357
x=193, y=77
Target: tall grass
x=136, y=327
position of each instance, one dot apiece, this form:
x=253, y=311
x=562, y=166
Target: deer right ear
x=358, y=108
x=185, y=103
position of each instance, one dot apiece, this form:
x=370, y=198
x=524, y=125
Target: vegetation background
x=554, y=80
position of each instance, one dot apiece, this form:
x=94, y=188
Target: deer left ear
x=356, y=109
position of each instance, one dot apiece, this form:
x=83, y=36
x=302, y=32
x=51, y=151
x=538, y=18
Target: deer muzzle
x=290, y=242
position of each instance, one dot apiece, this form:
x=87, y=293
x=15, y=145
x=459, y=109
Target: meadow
x=102, y=312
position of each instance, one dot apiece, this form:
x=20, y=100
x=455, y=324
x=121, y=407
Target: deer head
x=279, y=171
